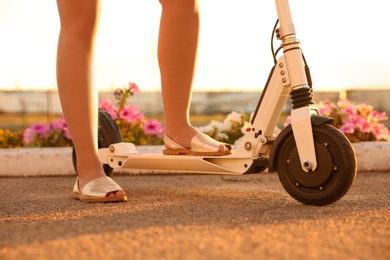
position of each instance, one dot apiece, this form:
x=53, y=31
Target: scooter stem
x=285, y=19
x=302, y=110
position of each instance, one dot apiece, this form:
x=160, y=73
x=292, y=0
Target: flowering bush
x=230, y=130
x=130, y=120
x=358, y=122
x=54, y=134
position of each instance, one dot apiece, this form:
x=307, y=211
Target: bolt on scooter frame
x=253, y=151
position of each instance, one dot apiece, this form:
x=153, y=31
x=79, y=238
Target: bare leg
x=177, y=49
x=79, y=19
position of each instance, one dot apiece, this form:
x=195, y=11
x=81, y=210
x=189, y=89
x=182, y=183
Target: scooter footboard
x=125, y=155
x=183, y=164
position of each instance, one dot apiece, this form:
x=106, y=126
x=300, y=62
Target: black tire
x=108, y=133
x=335, y=172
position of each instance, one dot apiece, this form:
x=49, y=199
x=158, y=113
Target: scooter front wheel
x=108, y=133
x=335, y=172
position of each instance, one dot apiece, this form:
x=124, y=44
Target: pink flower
x=28, y=135
x=348, y=127
x=382, y=133
x=134, y=87
x=326, y=108
x=153, y=127
x=131, y=114
x=67, y=133
x=358, y=122
x=350, y=111
x=58, y=125
x=106, y=105
x=363, y=109
x=117, y=93
x=378, y=116
x=39, y=130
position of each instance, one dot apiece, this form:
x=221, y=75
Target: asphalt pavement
x=193, y=217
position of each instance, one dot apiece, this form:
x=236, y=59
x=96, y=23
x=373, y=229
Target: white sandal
x=201, y=145
x=97, y=191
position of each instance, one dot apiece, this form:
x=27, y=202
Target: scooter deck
x=159, y=163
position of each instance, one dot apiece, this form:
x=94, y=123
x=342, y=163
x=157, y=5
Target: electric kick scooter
x=316, y=163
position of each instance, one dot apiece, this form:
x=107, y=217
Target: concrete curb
x=371, y=157
x=45, y=161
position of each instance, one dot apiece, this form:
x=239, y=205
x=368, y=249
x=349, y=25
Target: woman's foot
x=89, y=176
x=98, y=190
x=193, y=142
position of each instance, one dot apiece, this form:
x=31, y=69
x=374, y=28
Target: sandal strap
x=172, y=144
x=99, y=187
x=199, y=143
x=204, y=143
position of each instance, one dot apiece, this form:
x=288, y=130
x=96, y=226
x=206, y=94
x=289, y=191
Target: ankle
x=87, y=174
x=182, y=136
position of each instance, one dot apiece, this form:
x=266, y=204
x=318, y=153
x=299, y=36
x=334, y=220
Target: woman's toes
x=224, y=148
x=116, y=193
x=120, y=193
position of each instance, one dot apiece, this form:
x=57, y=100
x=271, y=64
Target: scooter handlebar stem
x=286, y=24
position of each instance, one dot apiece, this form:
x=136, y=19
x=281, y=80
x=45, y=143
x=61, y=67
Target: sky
x=344, y=41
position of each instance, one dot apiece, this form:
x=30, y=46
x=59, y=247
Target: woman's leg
x=79, y=19
x=177, y=50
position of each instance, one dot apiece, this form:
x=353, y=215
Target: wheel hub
x=312, y=178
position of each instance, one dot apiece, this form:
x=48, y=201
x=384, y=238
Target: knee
x=80, y=28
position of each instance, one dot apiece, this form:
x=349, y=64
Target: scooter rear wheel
x=335, y=172
x=108, y=133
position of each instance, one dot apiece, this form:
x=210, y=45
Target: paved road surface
x=193, y=217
